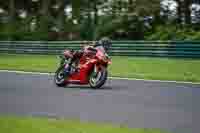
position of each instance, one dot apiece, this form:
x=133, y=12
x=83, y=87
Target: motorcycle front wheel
x=97, y=80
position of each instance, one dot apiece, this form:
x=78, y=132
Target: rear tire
x=59, y=78
x=101, y=81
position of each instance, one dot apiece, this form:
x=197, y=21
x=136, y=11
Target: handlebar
x=92, y=49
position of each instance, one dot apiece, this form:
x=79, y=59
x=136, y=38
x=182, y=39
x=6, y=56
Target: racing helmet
x=105, y=42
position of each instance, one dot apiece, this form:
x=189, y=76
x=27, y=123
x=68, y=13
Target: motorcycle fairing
x=85, y=67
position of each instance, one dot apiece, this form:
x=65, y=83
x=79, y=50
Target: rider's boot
x=67, y=69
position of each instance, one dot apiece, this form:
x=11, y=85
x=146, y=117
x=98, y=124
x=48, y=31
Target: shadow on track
x=84, y=87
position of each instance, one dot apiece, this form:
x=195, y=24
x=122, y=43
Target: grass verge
x=45, y=125
x=132, y=67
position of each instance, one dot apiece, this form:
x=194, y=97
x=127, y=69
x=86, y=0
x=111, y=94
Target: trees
x=184, y=11
x=127, y=18
x=92, y=19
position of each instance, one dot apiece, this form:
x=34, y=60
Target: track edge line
x=112, y=77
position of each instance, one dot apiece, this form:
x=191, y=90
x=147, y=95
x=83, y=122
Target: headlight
x=103, y=58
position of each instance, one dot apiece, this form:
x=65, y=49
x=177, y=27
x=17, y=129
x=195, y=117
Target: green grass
x=157, y=68
x=45, y=125
x=145, y=68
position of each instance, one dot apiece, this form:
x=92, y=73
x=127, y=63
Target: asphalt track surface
x=137, y=104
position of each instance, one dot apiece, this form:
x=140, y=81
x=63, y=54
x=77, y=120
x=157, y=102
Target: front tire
x=59, y=77
x=99, y=79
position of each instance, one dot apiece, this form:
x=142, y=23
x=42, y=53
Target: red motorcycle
x=90, y=69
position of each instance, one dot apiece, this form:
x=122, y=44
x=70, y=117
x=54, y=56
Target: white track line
x=24, y=72
x=161, y=81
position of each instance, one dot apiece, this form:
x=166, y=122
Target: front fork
x=97, y=68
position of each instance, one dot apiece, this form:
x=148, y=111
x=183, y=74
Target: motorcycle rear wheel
x=59, y=77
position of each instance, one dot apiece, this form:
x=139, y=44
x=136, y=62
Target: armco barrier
x=120, y=48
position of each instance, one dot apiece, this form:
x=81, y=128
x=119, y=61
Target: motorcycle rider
x=104, y=43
